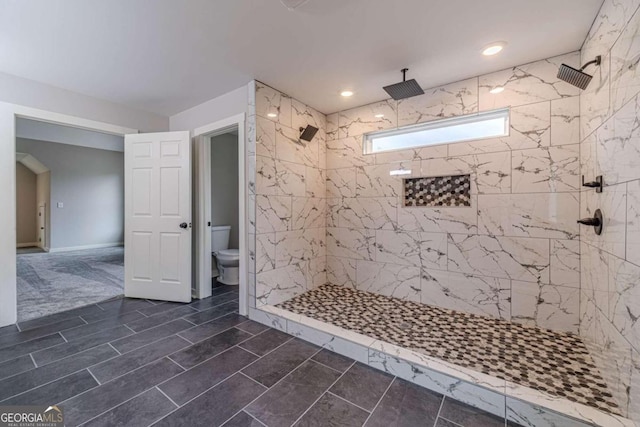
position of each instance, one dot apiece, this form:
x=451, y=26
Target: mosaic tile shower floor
x=556, y=363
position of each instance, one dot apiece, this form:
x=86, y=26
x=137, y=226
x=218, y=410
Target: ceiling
x=165, y=56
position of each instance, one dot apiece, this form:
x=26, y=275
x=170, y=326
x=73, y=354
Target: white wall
x=26, y=207
x=222, y=107
x=29, y=93
x=90, y=184
x=224, y=184
x=42, y=131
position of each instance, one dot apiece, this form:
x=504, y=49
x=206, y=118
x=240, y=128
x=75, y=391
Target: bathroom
x=329, y=230
x=225, y=214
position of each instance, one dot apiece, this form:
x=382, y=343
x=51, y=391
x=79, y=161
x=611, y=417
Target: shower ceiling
x=166, y=56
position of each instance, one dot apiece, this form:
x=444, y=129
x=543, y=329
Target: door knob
x=184, y=225
x=596, y=222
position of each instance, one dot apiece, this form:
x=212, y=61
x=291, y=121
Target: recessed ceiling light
x=346, y=93
x=272, y=115
x=497, y=89
x=379, y=116
x=493, y=48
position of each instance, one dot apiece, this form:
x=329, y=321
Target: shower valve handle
x=593, y=222
x=596, y=222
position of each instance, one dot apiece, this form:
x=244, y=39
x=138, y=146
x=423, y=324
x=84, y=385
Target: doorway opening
x=69, y=217
x=220, y=210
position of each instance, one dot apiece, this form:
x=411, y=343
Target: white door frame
x=202, y=181
x=8, y=115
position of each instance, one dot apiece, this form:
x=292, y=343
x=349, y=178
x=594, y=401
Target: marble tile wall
x=610, y=146
x=514, y=254
x=287, y=190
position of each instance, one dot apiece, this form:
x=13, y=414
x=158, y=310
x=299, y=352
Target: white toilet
x=226, y=260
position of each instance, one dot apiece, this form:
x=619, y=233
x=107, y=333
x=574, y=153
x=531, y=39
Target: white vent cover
x=293, y=4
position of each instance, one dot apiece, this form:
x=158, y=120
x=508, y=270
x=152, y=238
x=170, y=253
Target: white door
x=157, y=251
x=41, y=229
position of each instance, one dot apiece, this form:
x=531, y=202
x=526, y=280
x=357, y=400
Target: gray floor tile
x=214, y=327
x=274, y=366
x=252, y=327
x=224, y=289
x=210, y=347
x=213, y=313
x=333, y=360
x=41, y=331
x=467, y=415
x=66, y=349
x=446, y=423
x=242, y=419
x=332, y=411
x=142, y=410
x=265, y=342
x=159, y=308
x=44, y=374
x=8, y=330
x=107, y=396
x=285, y=402
x=406, y=405
x=106, y=371
x=53, y=318
x=14, y=351
x=216, y=300
x=124, y=305
x=56, y=391
x=362, y=385
x=16, y=366
x=143, y=338
x=100, y=325
x=200, y=378
x=217, y=405
x=160, y=318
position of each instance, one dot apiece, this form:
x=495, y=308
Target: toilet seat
x=230, y=252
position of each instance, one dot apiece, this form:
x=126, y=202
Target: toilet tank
x=220, y=237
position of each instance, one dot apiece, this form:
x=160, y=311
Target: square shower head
x=307, y=134
x=405, y=89
x=577, y=78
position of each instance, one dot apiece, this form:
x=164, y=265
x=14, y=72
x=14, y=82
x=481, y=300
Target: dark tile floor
x=140, y=363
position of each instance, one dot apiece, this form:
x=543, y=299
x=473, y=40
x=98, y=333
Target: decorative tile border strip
x=437, y=191
x=520, y=404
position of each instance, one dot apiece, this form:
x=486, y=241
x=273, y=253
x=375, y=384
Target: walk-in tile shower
x=553, y=305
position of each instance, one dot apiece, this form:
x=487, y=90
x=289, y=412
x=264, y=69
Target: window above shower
x=490, y=124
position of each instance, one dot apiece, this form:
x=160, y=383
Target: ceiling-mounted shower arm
x=404, y=74
x=596, y=61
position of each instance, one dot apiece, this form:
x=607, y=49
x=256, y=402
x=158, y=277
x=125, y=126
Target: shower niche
x=437, y=191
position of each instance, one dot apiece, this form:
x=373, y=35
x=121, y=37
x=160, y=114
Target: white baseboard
x=27, y=245
x=85, y=247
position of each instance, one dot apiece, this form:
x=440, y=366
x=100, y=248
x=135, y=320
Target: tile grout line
x=380, y=400
x=165, y=395
x=34, y=363
x=435, y=422
x=115, y=349
x=348, y=401
x=94, y=377
x=324, y=392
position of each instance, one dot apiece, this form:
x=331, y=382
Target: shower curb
x=514, y=402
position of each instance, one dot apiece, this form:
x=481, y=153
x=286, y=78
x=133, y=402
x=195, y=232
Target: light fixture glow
x=379, y=116
x=272, y=115
x=346, y=93
x=493, y=48
x=497, y=89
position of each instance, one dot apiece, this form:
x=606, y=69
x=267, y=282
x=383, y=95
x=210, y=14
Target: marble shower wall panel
x=290, y=202
x=610, y=141
x=518, y=239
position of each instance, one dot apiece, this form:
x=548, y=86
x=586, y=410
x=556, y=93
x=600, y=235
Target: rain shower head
x=307, y=134
x=404, y=89
x=578, y=78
